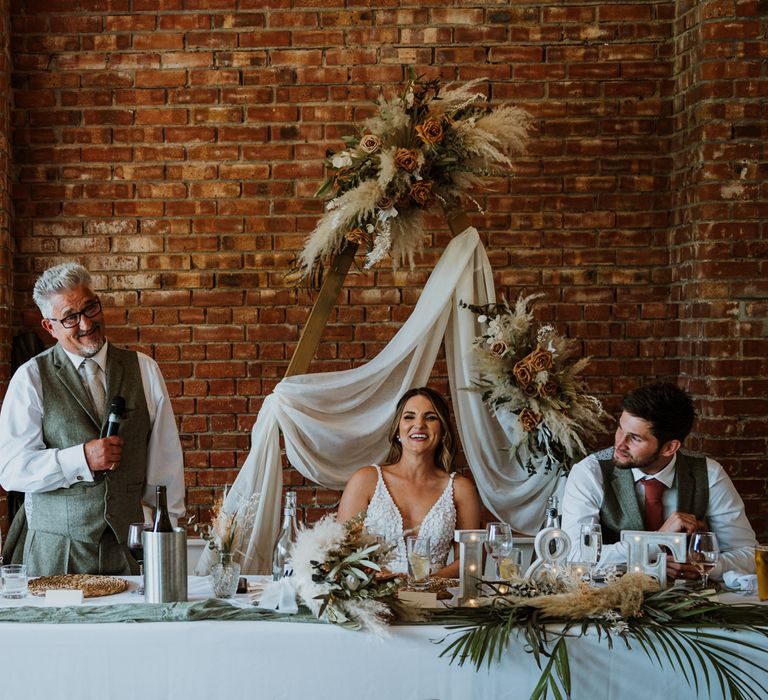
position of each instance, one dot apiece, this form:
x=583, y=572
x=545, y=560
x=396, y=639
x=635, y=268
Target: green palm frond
x=675, y=629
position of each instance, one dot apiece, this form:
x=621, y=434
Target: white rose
x=341, y=160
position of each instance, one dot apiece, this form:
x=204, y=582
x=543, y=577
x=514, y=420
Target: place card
x=419, y=599
x=63, y=598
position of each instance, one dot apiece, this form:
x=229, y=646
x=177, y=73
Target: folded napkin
x=280, y=595
x=736, y=581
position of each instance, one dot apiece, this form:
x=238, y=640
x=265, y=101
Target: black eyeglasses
x=90, y=311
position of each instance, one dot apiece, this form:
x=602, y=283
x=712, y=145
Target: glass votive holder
x=578, y=570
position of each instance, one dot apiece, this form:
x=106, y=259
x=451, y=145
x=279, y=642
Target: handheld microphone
x=116, y=414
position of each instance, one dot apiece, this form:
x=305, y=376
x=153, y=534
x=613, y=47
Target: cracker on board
x=92, y=586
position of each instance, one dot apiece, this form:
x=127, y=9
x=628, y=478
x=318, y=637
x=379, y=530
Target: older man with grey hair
x=84, y=489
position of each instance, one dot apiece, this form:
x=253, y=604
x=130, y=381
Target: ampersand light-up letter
x=639, y=543
x=551, y=546
x=470, y=565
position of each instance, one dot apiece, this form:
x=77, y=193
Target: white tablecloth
x=274, y=660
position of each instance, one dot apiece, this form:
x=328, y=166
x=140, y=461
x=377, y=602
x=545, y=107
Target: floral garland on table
x=426, y=146
x=338, y=576
x=337, y=572
x=671, y=626
x=532, y=375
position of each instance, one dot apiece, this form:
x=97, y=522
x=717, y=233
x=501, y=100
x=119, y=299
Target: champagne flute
x=590, y=546
x=498, y=540
x=703, y=553
x=136, y=548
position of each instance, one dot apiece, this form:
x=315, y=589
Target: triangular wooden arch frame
x=310, y=337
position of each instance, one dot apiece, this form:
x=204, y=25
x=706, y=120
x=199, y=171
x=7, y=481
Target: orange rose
x=430, y=132
x=406, y=159
x=531, y=390
x=540, y=359
x=385, y=203
x=523, y=373
x=548, y=389
x=528, y=419
x=422, y=194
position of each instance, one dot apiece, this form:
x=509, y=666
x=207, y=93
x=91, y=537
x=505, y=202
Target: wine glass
x=136, y=548
x=703, y=553
x=498, y=542
x=590, y=546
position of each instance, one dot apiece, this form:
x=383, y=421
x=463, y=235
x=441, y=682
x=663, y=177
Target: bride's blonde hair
x=446, y=451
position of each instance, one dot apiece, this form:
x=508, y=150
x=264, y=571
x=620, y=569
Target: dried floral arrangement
x=224, y=534
x=685, y=630
x=531, y=374
x=337, y=571
x=429, y=145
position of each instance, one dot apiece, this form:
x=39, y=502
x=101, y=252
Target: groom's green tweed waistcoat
x=620, y=509
x=66, y=525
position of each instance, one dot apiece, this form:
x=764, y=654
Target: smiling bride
x=415, y=492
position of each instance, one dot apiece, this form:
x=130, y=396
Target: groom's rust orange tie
x=654, y=509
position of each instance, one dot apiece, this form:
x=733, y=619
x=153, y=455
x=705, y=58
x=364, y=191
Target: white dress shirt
x=725, y=513
x=27, y=465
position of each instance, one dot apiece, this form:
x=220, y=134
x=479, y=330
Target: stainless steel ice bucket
x=165, y=566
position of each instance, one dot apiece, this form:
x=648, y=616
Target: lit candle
x=470, y=564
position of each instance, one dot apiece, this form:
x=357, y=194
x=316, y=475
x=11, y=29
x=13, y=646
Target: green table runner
x=211, y=609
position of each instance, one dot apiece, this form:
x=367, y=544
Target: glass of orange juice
x=761, y=567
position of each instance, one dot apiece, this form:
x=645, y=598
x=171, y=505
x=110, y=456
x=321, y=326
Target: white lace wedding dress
x=383, y=518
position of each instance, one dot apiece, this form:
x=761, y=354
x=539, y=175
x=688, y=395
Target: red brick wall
x=174, y=147
x=718, y=237
x=5, y=216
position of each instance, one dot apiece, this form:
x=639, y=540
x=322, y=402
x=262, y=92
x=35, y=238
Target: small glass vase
x=225, y=575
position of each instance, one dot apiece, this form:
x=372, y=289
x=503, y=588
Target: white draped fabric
x=335, y=422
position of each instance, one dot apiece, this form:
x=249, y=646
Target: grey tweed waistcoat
x=620, y=509
x=67, y=525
